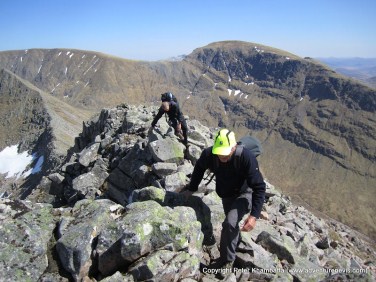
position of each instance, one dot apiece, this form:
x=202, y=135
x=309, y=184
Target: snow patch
x=55, y=88
x=37, y=168
x=14, y=164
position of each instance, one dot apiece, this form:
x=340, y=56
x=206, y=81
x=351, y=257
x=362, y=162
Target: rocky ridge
x=317, y=123
x=112, y=212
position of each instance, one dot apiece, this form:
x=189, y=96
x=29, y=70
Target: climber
x=170, y=106
x=240, y=185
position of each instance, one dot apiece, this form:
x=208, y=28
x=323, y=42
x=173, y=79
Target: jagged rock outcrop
x=130, y=224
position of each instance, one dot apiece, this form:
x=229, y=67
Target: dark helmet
x=167, y=97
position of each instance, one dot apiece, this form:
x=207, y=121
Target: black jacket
x=229, y=179
x=173, y=113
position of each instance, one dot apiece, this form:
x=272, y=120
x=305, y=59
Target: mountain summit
x=318, y=128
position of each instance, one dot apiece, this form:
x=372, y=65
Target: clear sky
x=159, y=29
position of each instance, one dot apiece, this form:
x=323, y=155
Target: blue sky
x=159, y=29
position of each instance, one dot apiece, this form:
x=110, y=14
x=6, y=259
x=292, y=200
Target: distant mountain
x=362, y=69
x=317, y=127
x=37, y=123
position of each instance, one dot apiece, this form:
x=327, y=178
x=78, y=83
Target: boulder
x=163, y=169
x=145, y=228
x=176, y=182
x=167, y=150
x=165, y=265
x=79, y=232
x=25, y=232
x=89, y=154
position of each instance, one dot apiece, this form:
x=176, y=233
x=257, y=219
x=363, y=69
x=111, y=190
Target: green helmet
x=223, y=142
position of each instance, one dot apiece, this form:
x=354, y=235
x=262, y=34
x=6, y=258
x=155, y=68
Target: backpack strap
x=238, y=153
x=215, y=165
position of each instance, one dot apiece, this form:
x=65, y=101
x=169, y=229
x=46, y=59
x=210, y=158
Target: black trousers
x=174, y=123
x=235, y=208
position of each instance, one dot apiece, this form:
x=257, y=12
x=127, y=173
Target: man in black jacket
x=176, y=119
x=240, y=185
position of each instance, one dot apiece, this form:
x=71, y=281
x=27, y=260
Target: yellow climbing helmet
x=223, y=142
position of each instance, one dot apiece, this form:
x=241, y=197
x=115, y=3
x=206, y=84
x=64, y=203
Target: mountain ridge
x=125, y=214
x=317, y=122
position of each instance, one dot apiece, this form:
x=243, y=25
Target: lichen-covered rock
x=176, y=182
x=78, y=232
x=149, y=193
x=165, y=265
x=167, y=150
x=147, y=227
x=25, y=230
x=276, y=246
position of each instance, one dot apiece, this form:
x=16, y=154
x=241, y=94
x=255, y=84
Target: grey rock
x=194, y=153
x=304, y=270
x=167, y=150
x=89, y=154
x=165, y=265
x=121, y=182
x=25, y=232
x=118, y=277
x=176, y=182
x=89, y=184
x=146, y=227
x=135, y=120
x=258, y=258
x=186, y=167
x=149, y=193
x=164, y=169
x=74, y=246
x=275, y=246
